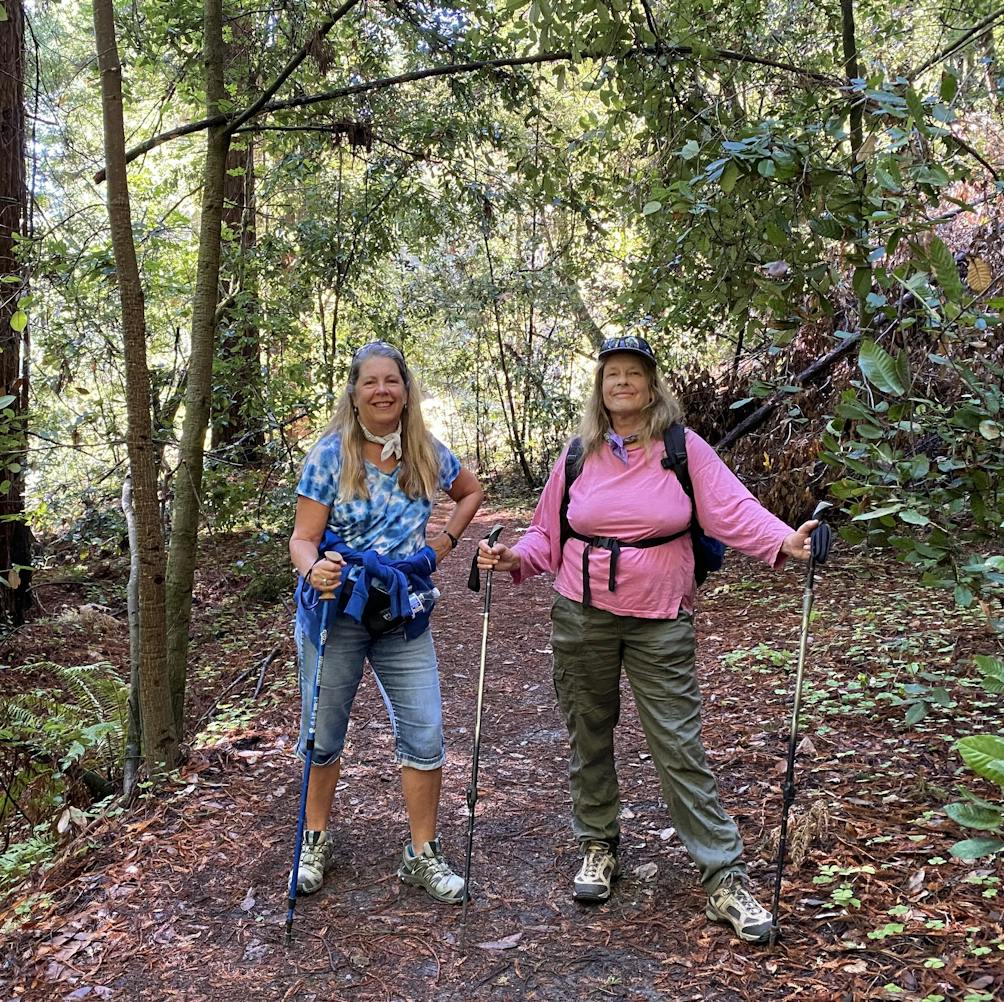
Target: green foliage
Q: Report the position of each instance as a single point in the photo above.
(920, 462)
(984, 754)
(66, 744)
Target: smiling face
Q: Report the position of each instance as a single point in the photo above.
(380, 394)
(626, 390)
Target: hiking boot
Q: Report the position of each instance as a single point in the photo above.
(732, 902)
(430, 870)
(598, 871)
(316, 857)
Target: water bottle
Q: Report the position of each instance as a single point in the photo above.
(422, 601)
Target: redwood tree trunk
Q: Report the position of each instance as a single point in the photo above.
(188, 479)
(160, 736)
(237, 427)
(15, 596)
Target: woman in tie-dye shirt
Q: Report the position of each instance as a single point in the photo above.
(371, 479)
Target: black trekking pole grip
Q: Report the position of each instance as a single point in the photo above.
(474, 580)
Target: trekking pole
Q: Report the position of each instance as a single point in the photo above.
(474, 583)
(325, 598)
(819, 548)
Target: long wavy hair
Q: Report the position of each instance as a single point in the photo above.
(419, 474)
(661, 411)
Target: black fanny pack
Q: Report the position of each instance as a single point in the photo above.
(377, 617)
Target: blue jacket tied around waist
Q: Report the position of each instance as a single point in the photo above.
(399, 577)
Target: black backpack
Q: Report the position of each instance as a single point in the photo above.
(709, 553)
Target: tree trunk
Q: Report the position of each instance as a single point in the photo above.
(188, 479)
(15, 553)
(237, 425)
(134, 730)
(160, 736)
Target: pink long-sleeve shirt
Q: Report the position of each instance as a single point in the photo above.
(638, 500)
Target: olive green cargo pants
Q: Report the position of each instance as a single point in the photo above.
(590, 645)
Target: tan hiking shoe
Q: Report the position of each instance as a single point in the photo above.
(598, 871)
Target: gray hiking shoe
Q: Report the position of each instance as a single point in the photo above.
(732, 902)
(428, 869)
(316, 857)
(598, 871)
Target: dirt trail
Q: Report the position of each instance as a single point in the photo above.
(184, 898)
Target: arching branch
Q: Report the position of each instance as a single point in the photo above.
(459, 69)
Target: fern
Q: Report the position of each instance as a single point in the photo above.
(91, 714)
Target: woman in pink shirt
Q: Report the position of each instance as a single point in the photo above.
(638, 614)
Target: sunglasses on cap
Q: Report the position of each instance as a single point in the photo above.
(385, 347)
(631, 343)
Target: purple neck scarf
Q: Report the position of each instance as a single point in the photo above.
(619, 445)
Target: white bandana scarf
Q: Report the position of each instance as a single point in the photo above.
(391, 443)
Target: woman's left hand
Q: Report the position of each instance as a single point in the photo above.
(797, 544)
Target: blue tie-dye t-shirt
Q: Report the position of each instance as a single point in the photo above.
(388, 521)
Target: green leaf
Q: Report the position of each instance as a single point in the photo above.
(3, 13)
(690, 149)
(914, 517)
(862, 281)
(984, 754)
(916, 107)
(990, 430)
(931, 174)
(916, 713)
(949, 86)
(19, 320)
(766, 168)
(6, 401)
(971, 816)
(828, 227)
(879, 369)
(946, 271)
(651, 207)
(729, 177)
(993, 673)
(974, 848)
(877, 513)
(963, 597)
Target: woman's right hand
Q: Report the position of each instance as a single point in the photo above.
(497, 558)
(326, 574)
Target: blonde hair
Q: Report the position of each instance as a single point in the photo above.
(419, 474)
(660, 412)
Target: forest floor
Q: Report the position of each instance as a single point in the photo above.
(182, 896)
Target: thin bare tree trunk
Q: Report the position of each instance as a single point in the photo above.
(160, 737)
(15, 596)
(134, 730)
(188, 480)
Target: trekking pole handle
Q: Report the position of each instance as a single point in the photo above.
(326, 594)
(474, 580)
(820, 540)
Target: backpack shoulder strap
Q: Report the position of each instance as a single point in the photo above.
(572, 468)
(675, 441)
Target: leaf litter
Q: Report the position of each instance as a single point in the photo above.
(184, 896)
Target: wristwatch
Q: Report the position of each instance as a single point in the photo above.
(454, 542)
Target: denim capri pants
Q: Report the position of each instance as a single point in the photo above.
(407, 676)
